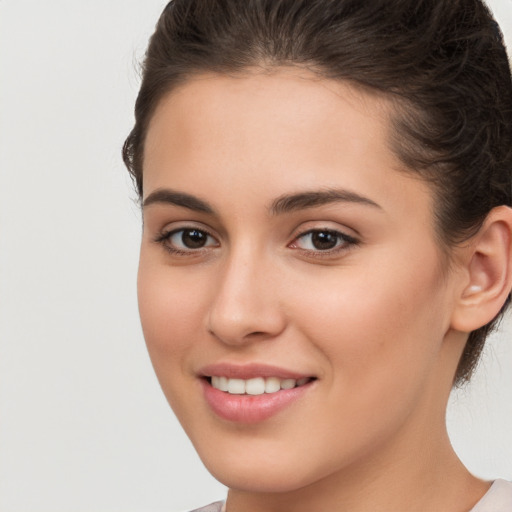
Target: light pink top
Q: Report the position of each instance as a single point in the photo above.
(497, 499)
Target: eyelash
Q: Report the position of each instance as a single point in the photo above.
(164, 240)
(343, 242)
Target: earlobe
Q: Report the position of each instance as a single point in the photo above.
(488, 272)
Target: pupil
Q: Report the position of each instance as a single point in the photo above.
(193, 239)
(324, 240)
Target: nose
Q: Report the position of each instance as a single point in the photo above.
(246, 306)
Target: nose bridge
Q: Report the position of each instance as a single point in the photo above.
(245, 303)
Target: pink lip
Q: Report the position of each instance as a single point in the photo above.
(247, 408)
(249, 371)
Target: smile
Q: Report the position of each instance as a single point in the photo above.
(253, 393)
(255, 386)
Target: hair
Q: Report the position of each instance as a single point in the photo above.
(442, 63)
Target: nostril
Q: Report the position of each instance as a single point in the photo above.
(235, 322)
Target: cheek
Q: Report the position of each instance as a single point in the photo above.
(170, 312)
(382, 327)
(172, 320)
(380, 338)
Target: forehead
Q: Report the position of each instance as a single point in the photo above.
(267, 109)
(283, 130)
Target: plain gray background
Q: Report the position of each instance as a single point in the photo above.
(83, 423)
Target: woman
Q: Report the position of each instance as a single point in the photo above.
(327, 232)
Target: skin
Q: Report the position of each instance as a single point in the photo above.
(373, 321)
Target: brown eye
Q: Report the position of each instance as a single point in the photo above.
(193, 238)
(189, 240)
(318, 240)
(324, 240)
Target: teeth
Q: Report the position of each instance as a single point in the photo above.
(256, 386)
(223, 384)
(272, 384)
(236, 386)
(288, 383)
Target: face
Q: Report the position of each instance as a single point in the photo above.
(293, 297)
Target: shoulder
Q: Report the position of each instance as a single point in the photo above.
(213, 507)
(497, 499)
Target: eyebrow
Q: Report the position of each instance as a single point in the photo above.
(168, 196)
(284, 204)
(302, 200)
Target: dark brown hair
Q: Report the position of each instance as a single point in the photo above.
(442, 62)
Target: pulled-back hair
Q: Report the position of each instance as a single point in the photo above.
(442, 63)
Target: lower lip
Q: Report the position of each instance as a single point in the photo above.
(250, 408)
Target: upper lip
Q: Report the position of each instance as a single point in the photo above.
(249, 371)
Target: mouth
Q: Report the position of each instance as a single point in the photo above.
(255, 386)
(253, 393)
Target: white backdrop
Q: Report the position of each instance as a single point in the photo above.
(83, 424)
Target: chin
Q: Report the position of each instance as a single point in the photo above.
(260, 479)
(264, 472)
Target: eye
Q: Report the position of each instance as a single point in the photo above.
(187, 240)
(323, 240)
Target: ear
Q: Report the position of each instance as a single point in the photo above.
(487, 274)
